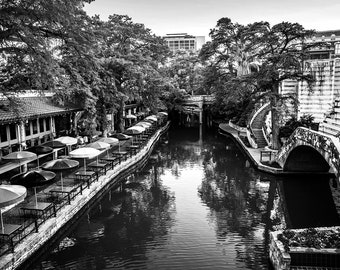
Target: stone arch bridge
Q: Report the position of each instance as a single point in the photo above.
(310, 151)
(195, 104)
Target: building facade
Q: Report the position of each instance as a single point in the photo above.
(35, 121)
(183, 41)
(324, 64)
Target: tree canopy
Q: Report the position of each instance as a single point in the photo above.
(259, 57)
(55, 45)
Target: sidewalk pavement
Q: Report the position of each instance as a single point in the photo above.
(253, 153)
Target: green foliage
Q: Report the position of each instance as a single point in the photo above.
(174, 99)
(293, 123)
(186, 72)
(31, 37)
(310, 238)
(54, 45)
(261, 57)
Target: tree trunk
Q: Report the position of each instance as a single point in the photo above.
(275, 118)
(120, 119)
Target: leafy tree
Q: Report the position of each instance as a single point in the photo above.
(262, 57)
(186, 70)
(293, 123)
(31, 37)
(130, 57)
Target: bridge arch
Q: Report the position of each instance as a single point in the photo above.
(305, 158)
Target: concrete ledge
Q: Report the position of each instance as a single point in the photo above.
(301, 256)
(252, 153)
(279, 258)
(33, 242)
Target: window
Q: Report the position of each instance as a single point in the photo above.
(3, 133)
(337, 48)
(28, 128)
(41, 125)
(48, 123)
(35, 126)
(13, 131)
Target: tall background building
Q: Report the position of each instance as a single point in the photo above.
(183, 41)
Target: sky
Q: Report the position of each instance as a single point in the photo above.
(197, 17)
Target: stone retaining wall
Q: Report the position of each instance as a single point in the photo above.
(279, 258)
(302, 256)
(50, 227)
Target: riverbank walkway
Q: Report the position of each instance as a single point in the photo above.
(260, 157)
(38, 221)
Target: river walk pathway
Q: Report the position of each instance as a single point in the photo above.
(90, 189)
(253, 153)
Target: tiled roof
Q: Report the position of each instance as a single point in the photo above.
(30, 107)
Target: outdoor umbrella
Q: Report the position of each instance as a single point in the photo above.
(54, 144)
(99, 145)
(145, 125)
(121, 136)
(20, 156)
(85, 152)
(40, 150)
(130, 116)
(10, 194)
(152, 118)
(33, 179)
(68, 141)
(111, 141)
(134, 131)
(60, 164)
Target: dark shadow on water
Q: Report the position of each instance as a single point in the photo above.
(309, 201)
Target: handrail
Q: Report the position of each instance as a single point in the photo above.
(251, 137)
(257, 110)
(266, 135)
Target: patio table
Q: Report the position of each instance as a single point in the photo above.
(39, 209)
(122, 154)
(133, 148)
(9, 232)
(60, 190)
(99, 167)
(86, 175)
(111, 160)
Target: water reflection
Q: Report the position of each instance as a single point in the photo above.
(197, 204)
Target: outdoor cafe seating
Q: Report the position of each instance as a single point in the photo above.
(112, 161)
(99, 167)
(11, 234)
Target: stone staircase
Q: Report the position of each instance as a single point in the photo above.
(256, 126)
(331, 124)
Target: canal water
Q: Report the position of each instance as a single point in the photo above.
(197, 204)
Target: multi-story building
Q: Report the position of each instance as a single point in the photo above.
(324, 64)
(183, 41)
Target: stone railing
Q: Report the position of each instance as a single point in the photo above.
(326, 145)
(256, 109)
(251, 138)
(238, 128)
